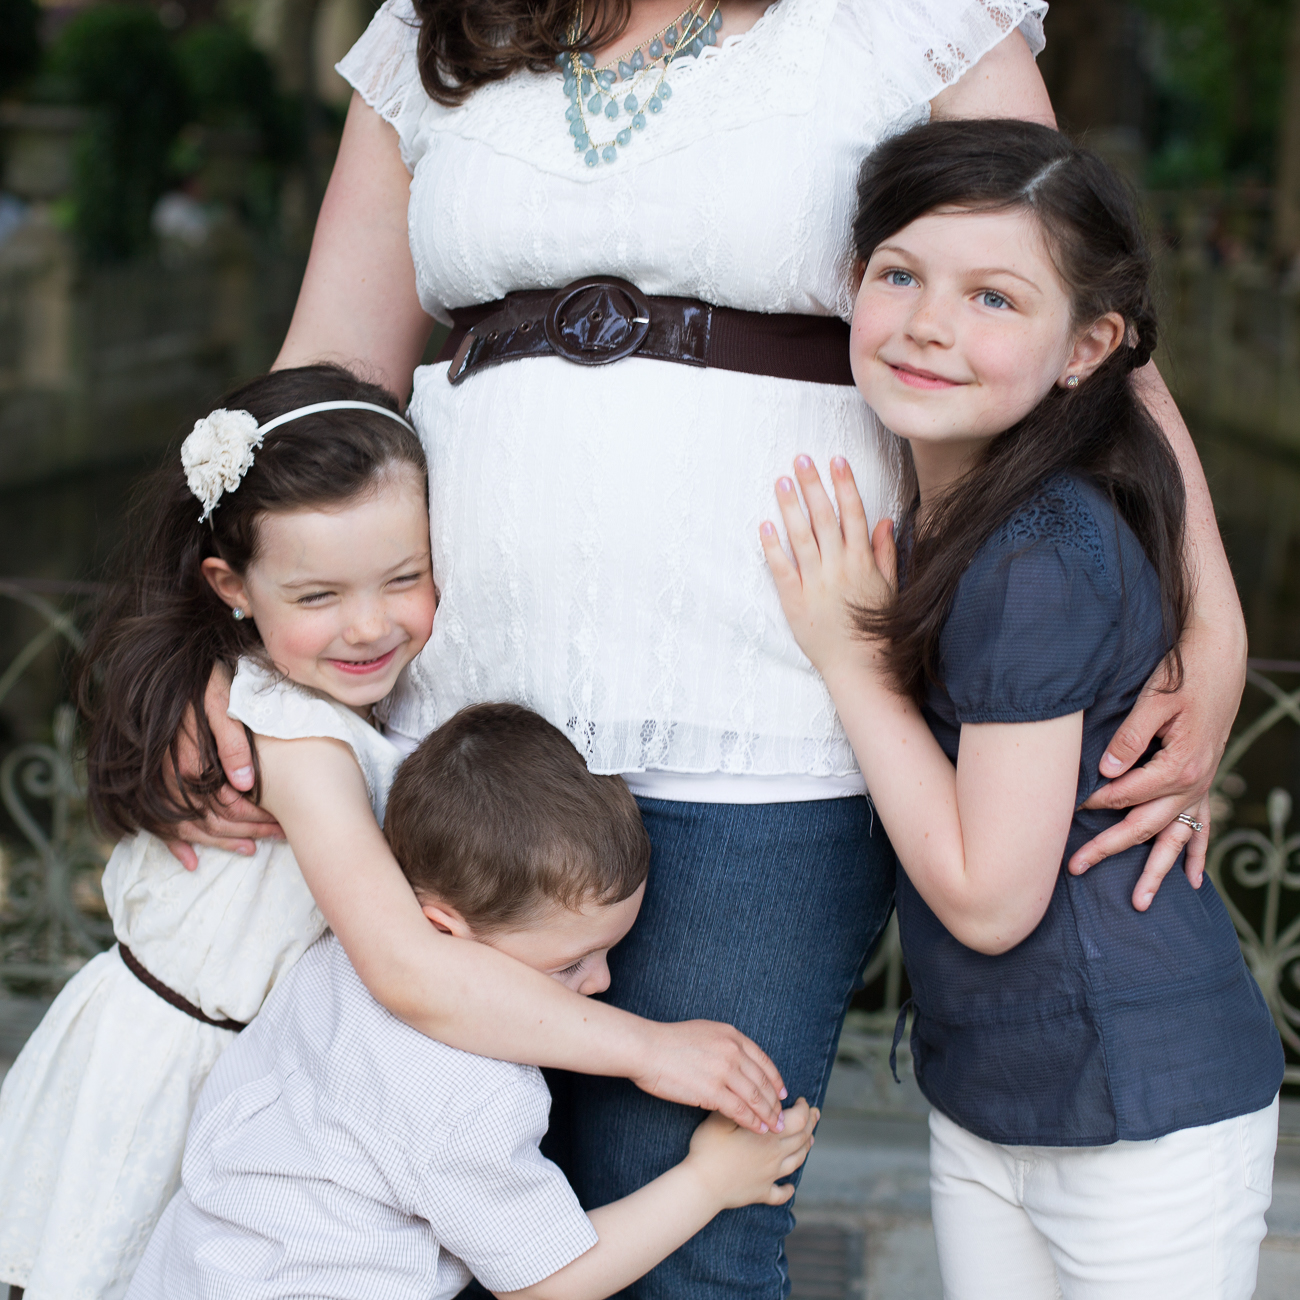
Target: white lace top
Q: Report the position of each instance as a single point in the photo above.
(595, 530)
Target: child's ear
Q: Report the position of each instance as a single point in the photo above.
(226, 583)
(447, 919)
(1093, 346)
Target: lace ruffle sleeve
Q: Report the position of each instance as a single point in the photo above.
(383, 69)
(922, 46)
(271, 705)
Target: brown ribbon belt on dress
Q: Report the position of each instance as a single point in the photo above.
(132, 963)
(601, 319)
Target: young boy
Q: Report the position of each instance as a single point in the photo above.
(337, 1152)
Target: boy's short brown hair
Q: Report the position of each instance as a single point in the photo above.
(496, 815)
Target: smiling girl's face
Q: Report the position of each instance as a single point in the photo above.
(343, 597)
(962, 326)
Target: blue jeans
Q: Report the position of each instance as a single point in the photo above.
(761, 915)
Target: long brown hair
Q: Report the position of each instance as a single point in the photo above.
(162, 629)
(466, 43)
(1102, 429)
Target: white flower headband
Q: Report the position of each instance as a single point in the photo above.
(219, 451)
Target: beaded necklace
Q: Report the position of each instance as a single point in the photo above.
(590, 90)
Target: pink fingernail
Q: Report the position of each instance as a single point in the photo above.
(766, 529)
(247, 850)
(242, 774)
(803, 462)
(762, 1128)
(785, 485)
(1109, 763)
(784, 1094)
(780, 1125)
(839, 462)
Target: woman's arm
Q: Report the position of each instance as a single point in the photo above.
(358, 305)
(468, 994)
(982, 842)
(1193, 723)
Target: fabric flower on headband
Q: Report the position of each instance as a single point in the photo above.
(217, 455)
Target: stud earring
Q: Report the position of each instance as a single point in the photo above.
(1072, 381)
(238, 614)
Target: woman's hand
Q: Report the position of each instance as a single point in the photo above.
(839, 563)
(240, 821)
(712, 1066)
(1193, 724)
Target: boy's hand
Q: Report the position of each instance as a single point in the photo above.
(742, 1168)
(714, 1067)
(837, 562)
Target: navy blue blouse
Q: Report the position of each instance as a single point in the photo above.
(1105, 1023)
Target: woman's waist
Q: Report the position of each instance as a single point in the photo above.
(743, 724)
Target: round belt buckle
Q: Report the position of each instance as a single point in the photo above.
(597, 320)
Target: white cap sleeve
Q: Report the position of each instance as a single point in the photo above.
(382, 67)
(922, 46)
(495, 1201)
(271, 705)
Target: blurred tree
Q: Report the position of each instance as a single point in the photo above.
(1218, 71)
(116, 59)
(232, 87)
(20, 50)
(1286, 218)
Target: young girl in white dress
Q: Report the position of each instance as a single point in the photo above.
(304, 566)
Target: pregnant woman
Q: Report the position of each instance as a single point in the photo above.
(637, 218)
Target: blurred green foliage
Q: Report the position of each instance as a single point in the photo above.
(20, 50)
(164, 107)
(117, 60)
(1218, 68)
(232, 89)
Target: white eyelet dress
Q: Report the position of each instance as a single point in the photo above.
(94, 1112)
(595, 529)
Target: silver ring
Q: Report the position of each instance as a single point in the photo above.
(1188, 820)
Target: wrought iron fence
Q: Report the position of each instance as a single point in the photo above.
(52, 916)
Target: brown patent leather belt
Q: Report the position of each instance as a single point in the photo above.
(602, 319)
(169, 995)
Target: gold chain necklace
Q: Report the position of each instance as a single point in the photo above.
(591, 92)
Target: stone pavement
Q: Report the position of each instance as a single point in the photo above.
(865, 1199)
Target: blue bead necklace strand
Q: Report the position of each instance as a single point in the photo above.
(618, 88)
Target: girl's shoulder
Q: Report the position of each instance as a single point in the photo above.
(269, 704)
(1040, 617)
(1069, 513)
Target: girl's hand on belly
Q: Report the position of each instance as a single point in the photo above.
(838, 563)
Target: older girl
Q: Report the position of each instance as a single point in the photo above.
(1103, 1069)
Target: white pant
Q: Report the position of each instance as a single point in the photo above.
(1178, 1218)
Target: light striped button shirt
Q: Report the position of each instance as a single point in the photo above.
(336, 1152)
